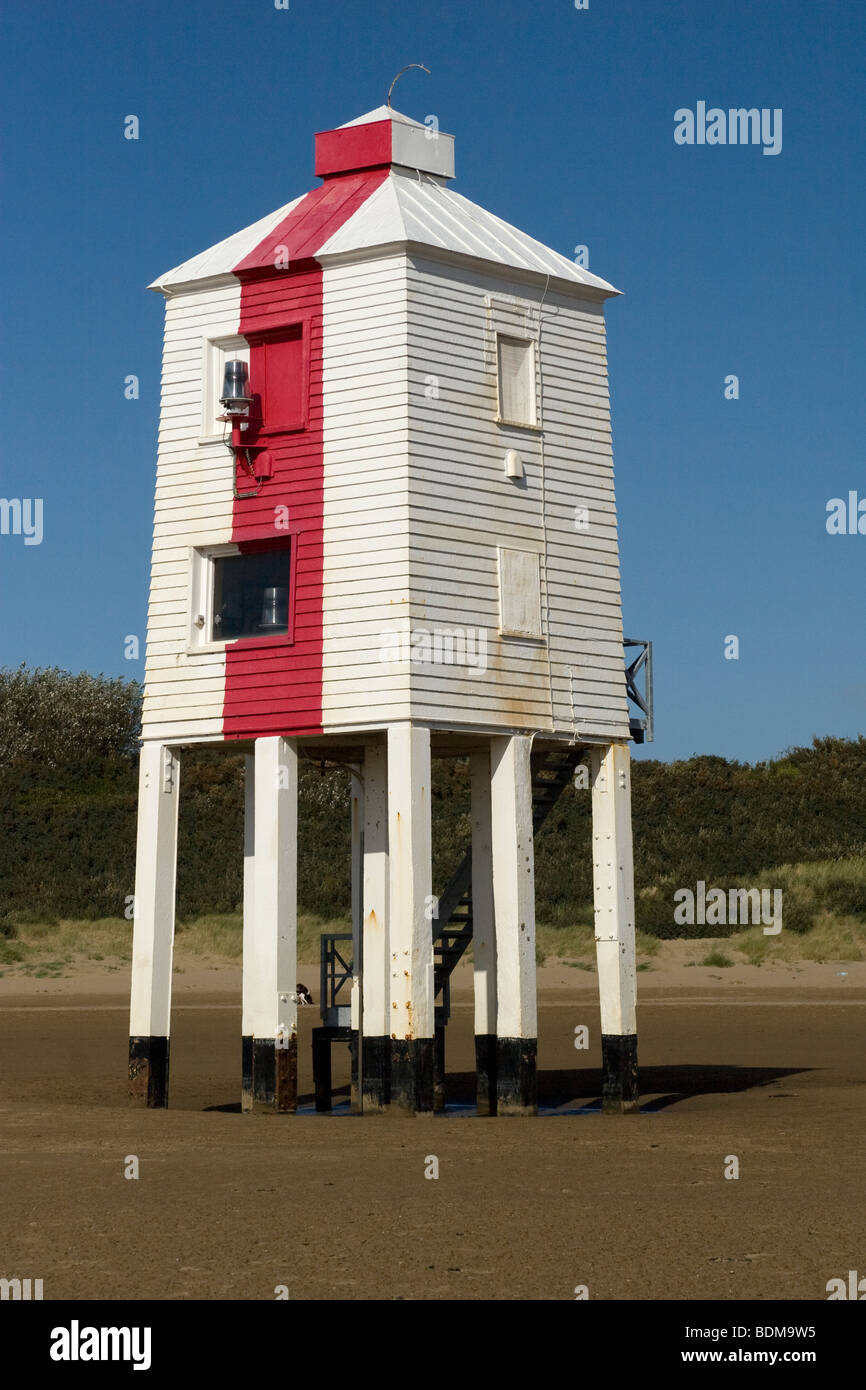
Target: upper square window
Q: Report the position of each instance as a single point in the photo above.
(516, 368)
(218, 351)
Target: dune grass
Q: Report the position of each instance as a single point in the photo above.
(823, 919)
(575, 942)
(717, 959)
(831, 938)
(49, 946)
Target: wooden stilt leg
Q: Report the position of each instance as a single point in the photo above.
(613, 887)
(514, 912)
(153, 935)
(410, 919)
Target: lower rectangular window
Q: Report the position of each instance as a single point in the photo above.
(251, 594)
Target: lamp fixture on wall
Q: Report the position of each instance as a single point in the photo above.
(237, 399)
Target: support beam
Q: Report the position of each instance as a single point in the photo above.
(514, 914)
(410, 919)
(153, 934)
(483, 934)
(270, 1008)
(613, 888)
(249, 921)
(376, 976)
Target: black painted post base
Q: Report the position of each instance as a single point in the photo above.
(246, 1075)
(485, 1073)
(269, 1076)
(148, 1072)
(516, 1078)
(439, 1069)
(375, 1074)
(355, 1085)
(619, 1087)
(322, 1039)
(412, 1076)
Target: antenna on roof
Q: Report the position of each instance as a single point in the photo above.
(400, 74)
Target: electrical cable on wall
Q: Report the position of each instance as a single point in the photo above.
(544, 506)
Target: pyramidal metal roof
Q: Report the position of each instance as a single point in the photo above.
(392, 203)
(382, 113)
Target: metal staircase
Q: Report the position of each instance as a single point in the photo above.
(452, 929)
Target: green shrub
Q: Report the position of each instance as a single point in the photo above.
(844, 897)
(718, 959)
(68, 792)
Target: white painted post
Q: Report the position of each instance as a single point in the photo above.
(248, 930)
(483, 934)
(357, 813)
(514, 912)
(153, 934)
(613, 890)
(376, 978)
(270, 963)
(410, 918)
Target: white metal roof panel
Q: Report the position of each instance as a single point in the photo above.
(222, 257)
(420, 209)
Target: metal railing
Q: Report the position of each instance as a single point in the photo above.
(642, 727)
(334, 971)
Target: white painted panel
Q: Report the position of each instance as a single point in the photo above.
(519, 593)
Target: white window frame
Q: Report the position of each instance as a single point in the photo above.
(511, 316)
(217, 348)
(201, 586)
(533, 629)
(532, 373)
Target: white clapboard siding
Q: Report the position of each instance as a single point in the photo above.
(415, 498)
(366, 512)
(183, 692)
(462, 507)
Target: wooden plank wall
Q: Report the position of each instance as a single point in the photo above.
(462, 506)
(184, 691)
(366, 513)
(416, 504)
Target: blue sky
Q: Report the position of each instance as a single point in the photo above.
(731, 261)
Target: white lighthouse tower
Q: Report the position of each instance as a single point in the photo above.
(385, 528)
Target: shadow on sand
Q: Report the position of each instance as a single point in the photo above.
(563, 1092)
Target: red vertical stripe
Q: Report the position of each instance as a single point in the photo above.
(274, 685)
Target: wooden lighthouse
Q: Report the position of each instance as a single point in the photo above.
(386, 532)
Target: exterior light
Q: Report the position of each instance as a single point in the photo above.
(236, 387)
